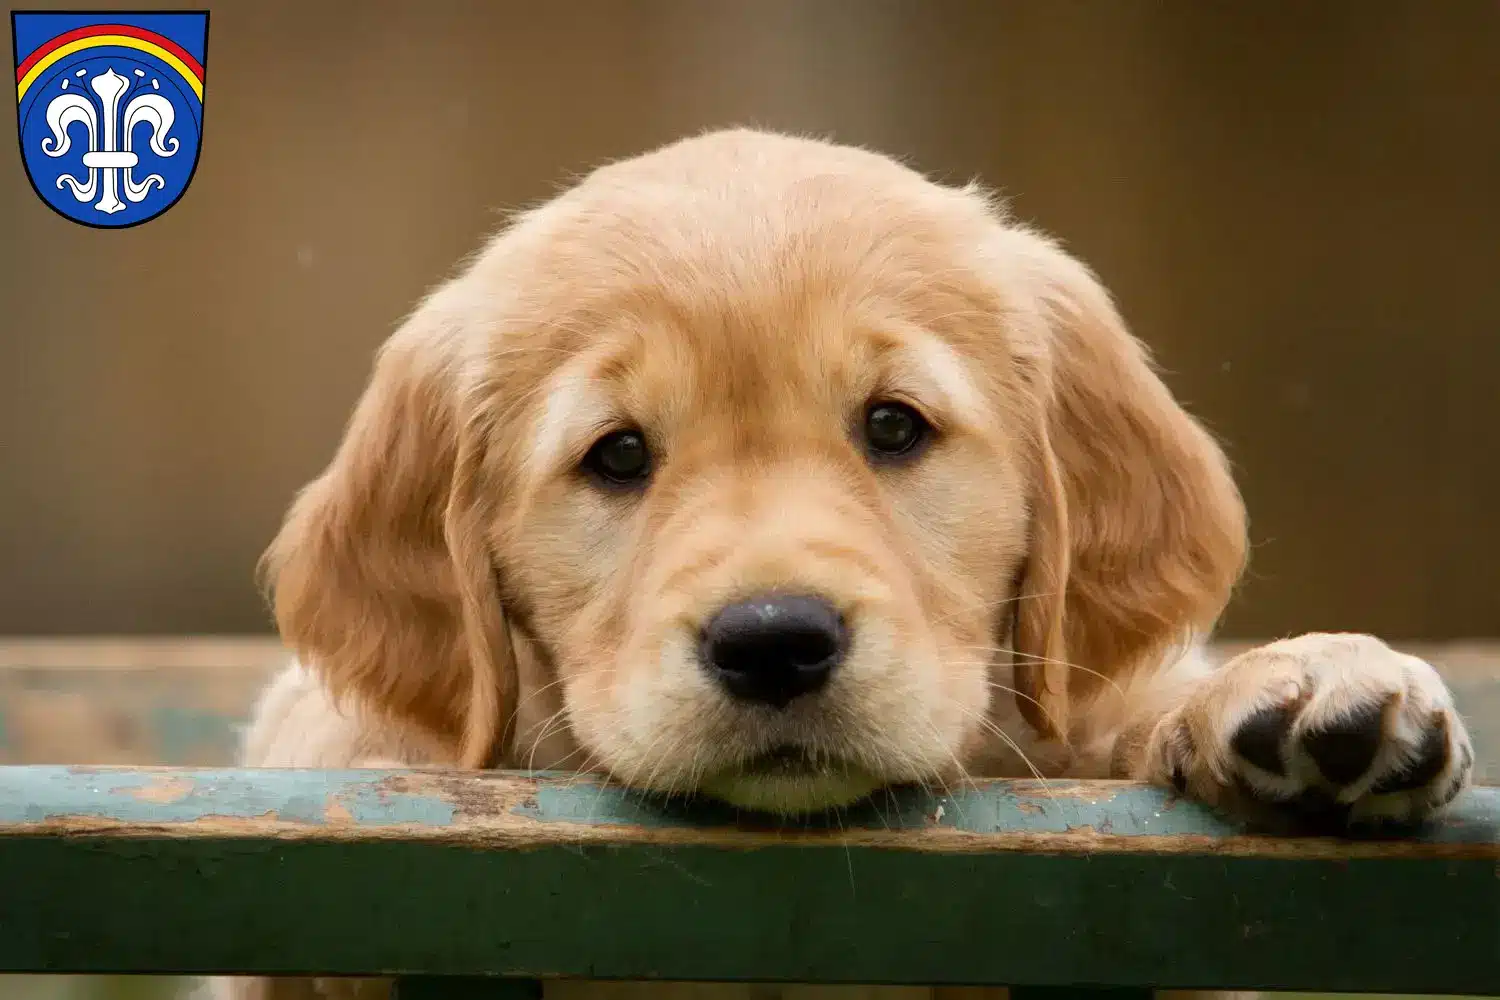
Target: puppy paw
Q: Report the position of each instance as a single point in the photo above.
(1324, 730)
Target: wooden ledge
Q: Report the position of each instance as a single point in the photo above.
(508, 810)
(441, 873)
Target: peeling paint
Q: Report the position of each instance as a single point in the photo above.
(318, 798)
(1118, 810)
(165, 791)
(489, 805)
(1019, 807)
(337, 812)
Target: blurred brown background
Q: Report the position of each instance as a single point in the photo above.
(1297, 204)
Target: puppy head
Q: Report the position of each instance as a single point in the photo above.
(778, 457)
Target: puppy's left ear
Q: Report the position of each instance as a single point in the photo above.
(381, 574)
(1138, 530)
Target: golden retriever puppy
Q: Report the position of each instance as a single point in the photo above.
(768, 469)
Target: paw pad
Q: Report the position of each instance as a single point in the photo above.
(1324, 727)
(1425, 766)
(1261, 738)
(1316, 767)
(1345, 748)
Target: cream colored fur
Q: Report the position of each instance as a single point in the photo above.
(1027, 595)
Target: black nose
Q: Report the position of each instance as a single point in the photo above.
(773, 648)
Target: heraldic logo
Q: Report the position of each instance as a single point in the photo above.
(110, 110)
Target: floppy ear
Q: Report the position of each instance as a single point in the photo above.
(1138, 531)
(381, 576)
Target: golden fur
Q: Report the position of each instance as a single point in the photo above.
(1026, 595)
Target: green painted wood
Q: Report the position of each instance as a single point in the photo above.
(466, 988)
(442, 873)
(1081, 993)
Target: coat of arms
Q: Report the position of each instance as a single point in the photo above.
(110, 110)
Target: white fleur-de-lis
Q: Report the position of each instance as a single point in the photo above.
(111, 155)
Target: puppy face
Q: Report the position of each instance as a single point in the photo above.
(766, 547)
(768, 462)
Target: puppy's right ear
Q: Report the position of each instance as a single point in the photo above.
(381, 575)
(1138, 529)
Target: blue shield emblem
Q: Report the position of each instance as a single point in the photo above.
(110, 110)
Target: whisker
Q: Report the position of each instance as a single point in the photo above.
(1010, 741)
(989, 606)
(672, 751)
(838, 817)
(1047, 660)
(1008, 689)
(546, 731)
(560, 764)
(964, 776)
(993, 727)
(532, 694)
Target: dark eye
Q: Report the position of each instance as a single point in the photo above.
(894, 429)
(620, 459)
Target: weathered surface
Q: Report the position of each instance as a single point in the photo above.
(520, 810)
(442, 873)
